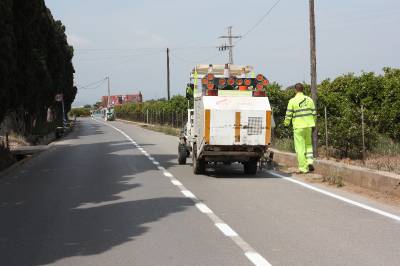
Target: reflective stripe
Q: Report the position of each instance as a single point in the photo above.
(237, 127)
(302, 115)
(207, 126)
(302, 110)
(268, 117)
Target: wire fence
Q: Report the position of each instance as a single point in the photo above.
(176, 119)
(351, 138)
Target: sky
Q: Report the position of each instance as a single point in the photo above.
(127, 40)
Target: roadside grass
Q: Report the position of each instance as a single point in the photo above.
(163, 129)
(286, 145)
(334, 179)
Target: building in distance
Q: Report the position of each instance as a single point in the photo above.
(121, 99)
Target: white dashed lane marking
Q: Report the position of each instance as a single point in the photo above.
(188, 194)
(176, 182)
(226, 229)
(249, 252)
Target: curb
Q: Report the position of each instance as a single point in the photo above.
(20, 163)
(384, 182)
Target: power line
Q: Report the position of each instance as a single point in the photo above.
(259, 21)
(96, 85)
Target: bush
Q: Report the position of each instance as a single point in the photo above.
(343, 98)
(177, 104)
(80, 112)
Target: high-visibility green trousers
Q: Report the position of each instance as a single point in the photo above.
(304, 148)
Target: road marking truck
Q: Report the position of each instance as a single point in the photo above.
(231, 119)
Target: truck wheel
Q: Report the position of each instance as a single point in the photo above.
(182, 154)
(199, 165)
(250, 167)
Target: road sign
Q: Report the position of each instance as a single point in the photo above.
(59, 97)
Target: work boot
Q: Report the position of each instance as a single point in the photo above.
(311, 168)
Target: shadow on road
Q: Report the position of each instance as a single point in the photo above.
(71, 201)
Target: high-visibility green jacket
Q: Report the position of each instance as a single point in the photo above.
(301, 112)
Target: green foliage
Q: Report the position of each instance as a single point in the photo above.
(80, 112)
(279, 99)
(343, 98)
(35, 62)
(177, 104)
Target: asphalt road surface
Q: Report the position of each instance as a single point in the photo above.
(114, 195)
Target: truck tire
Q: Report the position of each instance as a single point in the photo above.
(250, 167)
(199, 165)
(182, 154)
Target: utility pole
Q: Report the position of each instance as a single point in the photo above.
(313, 64)
(230, 38)
(109, 93)
(168, 78)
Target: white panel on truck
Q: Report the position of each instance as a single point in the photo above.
(226, 129)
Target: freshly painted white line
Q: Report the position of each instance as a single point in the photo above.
(156, 163)
(176, 182)
(349, 201)
(257, 259)
(151, 158)
(168, 174)
(188, 194)
(203, 208)
(226, 229)
(161, 168)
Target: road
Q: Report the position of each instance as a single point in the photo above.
(111, 195)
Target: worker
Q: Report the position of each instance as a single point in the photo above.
(302, 114)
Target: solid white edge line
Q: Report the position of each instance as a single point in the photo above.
(257, 259)
(203, 208)
(188, 194)
(332, 195)
(226, 229)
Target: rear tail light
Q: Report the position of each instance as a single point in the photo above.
(260, 77)
(231, 82)
(210, 77)
(259, 94)
(247, 82)
(212, 92)
(265, 82)
(222, 82)
(239, 82)
(210, 86)
(259, 86)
